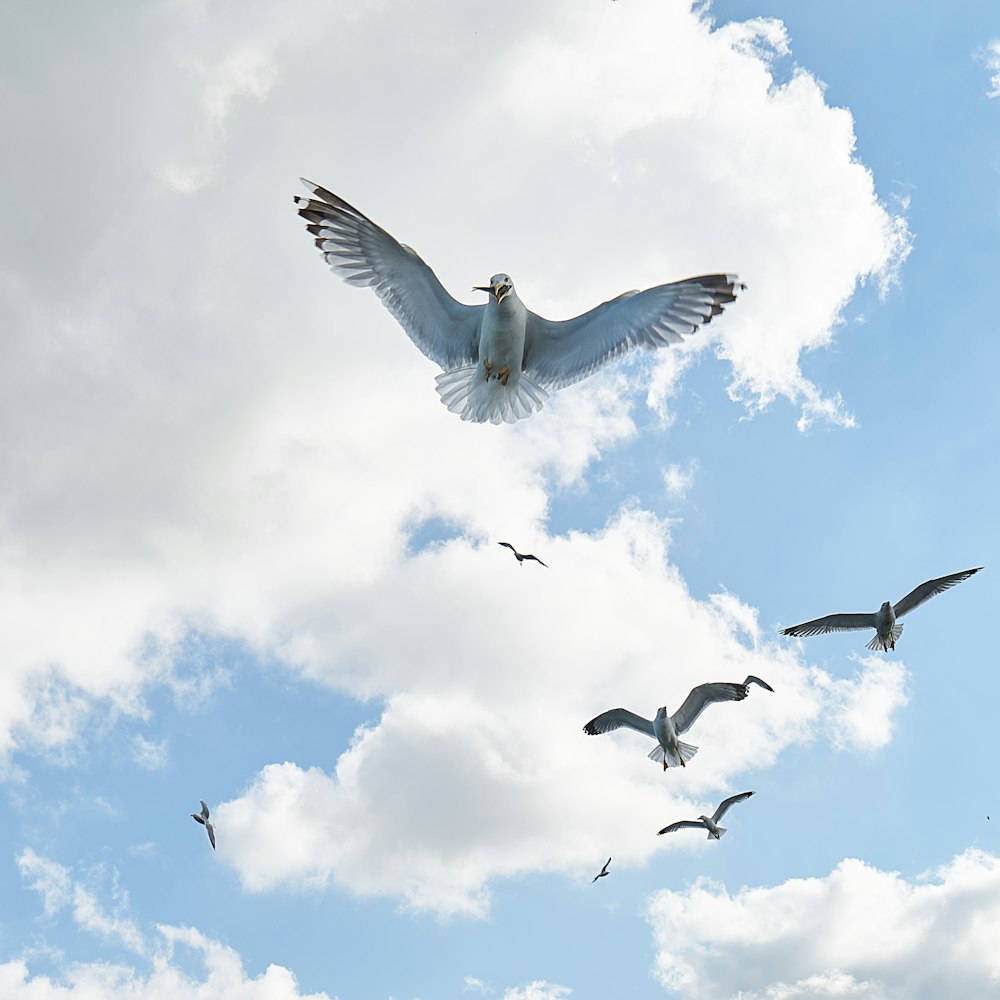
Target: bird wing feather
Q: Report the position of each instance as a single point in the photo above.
(558, 353)
(726, 803)
(832, 623)
(446, 330)
(683, 824)
(929, 589)
(614, 719)
(701, 697)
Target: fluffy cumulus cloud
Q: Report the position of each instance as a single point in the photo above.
(483, 752)
(859, 932)
(224, 976)
(216, 435)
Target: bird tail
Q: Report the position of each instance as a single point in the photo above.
(686, 749)
(889, 642)
(466, 392)
(716, 836)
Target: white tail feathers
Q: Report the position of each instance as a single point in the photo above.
(686, 749)
(466, 392)
(887, 643)
(716, 836)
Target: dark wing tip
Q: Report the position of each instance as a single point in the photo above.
(751, 679)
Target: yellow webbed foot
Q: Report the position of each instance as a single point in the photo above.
(503, 375)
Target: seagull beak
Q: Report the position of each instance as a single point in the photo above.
(500, 291)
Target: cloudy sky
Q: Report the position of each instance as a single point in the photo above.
(247, 556)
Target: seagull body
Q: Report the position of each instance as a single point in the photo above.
(521, 556)
(710, 823)
(202, 818)
(666, 728)
(887, 630)
(501, 360)
(604, 871)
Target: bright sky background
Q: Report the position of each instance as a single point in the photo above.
(246, 555)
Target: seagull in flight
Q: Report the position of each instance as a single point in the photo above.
(666, 728)
(883, 620)
(604, 871)
(202, 818)
(710, 823)
(501, 360)
(521, 556)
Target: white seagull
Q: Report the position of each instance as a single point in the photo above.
(202, 818)
(883, 620)
(710, 823)
(499, 359)
(666, 728)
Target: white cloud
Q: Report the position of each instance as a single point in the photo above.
(59, 889)
(149, 754)
(991, 56)
(859, 932)
(224, 977)
(678, 479)
(218, 438)
(539, 989)
(486, 759)
(861, 710)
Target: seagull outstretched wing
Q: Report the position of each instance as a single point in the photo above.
(446, 330)
(726, 803)
(614, 719)
(832, 623)
(558, 353)
(701, 697)
(929, 589)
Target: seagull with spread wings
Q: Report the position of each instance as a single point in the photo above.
(604, 871)
(710, 823)
(666, 729)
(501, 360)
(883, 620)
(202, 818)
(521, 556)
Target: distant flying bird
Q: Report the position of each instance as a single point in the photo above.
(710, 823)
(202, 818)
(604, 871)
(500, 358)
(521, 556)
(666, 728)
(883, 620)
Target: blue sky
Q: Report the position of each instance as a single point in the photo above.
(249, 557)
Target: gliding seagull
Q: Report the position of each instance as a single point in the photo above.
(604, 871)
(710, 823)
(499, 359)
(666, 728)
(203, 819)
(883, 620)
(521, 556)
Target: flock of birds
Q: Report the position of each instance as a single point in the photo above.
(500, 361)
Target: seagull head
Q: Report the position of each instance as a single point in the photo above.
(661, 713)
(500, 287)
(886, 605)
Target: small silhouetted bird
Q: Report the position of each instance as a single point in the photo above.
(604, 871)
(521, 556)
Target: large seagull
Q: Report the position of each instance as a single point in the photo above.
(666, 728)
(501, 360)
(883, 620)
